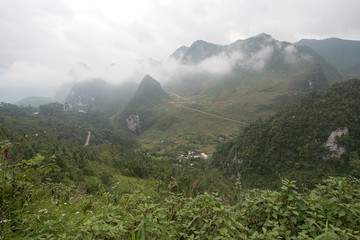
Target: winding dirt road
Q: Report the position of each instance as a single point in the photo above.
(88, 139)
(200, 111)
(214, 115)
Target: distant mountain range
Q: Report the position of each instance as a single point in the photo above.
(242, 81)
(249, 78)
(342, 54)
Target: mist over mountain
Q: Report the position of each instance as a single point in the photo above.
(342, 54)
(255, 54)
(34, 101)
(149, 90)
(100, 95)
(199, 51)
(205, 60)
(248, 78)
(63, 91)
(250, 54)
(179, 53)
(244, 80)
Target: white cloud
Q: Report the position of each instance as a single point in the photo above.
(35, 80)
(258, 60)
(33, 73)
(50, 37)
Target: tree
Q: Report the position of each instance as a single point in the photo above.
(52, 109)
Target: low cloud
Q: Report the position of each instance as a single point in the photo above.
(130, 69)
(46, 39)
(257, 60)
(39, 79)
(292, 55)
(172, 69)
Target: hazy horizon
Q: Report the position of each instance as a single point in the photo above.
(46, 43)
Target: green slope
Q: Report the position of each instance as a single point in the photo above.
(292, 142)
(165, 121)
(141, 112)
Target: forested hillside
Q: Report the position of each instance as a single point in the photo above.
(141, 112)
(114, 163)
(54, 187)
(39, 200)
(179, 120)
(315, 137)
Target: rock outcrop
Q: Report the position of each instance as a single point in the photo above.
(336, 150)
(133, 123)
(143, 110)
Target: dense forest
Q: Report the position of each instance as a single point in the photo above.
(291, 143)
(53, 186)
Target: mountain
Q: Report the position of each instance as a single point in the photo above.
(149, 91)
(34, 101)
(100, 95)
(62, 92)
(179, 53)
(312, 138)
(140, 113)
(163, 120)
(93, 190)
(218, 89)
(214, 91)
(342, 54)
(199, 51)
(249, 78)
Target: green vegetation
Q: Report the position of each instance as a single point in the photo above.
(72, 126)
(294, 175)
(291, 143)
(34, 206)
(163, 120)
(243, 91)
(144, 104)
(54, 187)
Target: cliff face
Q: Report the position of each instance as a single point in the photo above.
(336, 150)
(133, 123)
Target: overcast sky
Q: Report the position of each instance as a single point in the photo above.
(44, 43)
